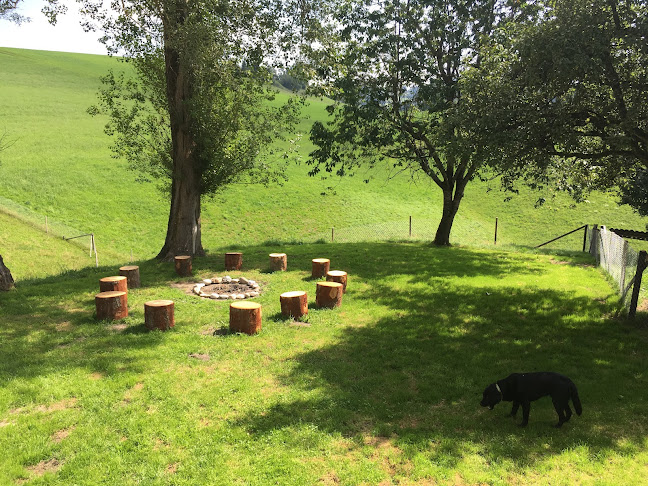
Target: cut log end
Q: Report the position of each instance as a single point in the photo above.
(159, 314)
(183, 265)
(329, 294)
(233, 261)
(245, 317)
(116, 283)
(294, 304)
(278, 262)
(338, 276)
(111, 305)
(131, 272)
(320, 267)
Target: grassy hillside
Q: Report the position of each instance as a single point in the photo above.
(60, 166)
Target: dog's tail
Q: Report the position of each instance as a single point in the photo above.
(574, 396)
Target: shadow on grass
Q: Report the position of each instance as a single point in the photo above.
(416, 376)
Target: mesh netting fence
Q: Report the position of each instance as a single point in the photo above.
(617, 258)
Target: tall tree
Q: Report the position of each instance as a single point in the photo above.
(197, 112)
(562, 101)
(393, 69)
(9, 10)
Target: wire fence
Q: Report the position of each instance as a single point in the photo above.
(49, 226)
(615, 255)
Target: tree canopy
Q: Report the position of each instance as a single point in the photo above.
(197, 111)
(394, 70)
(561, 101)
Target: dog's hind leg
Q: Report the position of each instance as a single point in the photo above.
(514, 409)
(568, 412)
(559, 405)
(526, 408)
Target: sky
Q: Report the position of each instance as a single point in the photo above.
(66, 36)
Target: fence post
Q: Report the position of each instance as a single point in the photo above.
(332, 234)
(585, 237)
(641, 266)
(410, 231)
(496, 221)
(594, 240)
(624, 256)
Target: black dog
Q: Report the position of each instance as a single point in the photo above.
(523, 388)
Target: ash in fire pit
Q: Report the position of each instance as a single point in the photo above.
(227, 288)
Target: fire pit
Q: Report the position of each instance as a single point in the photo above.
(224, 288)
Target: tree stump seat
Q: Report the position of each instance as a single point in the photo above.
(294, 304)
(233, 261)
(116, 283)
(111, 305)
(320, 267)
(159, 314)
(329, 294)
(131, 272)
(245, 316)
(278, 262)
(337, 276)
(183, 265)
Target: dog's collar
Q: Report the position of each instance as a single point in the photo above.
(499, 390)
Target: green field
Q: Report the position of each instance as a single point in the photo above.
(60, 166)
(383, 390)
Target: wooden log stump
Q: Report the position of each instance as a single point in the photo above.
(183, 265)
(337, 276)
(278, 262)
(159, 314)
(111, 305)
(245, 317)
(329, 294)
(6, 280)
(233, 261)
(131, 272)
(110, 284)
(320, 267)
(294, 304)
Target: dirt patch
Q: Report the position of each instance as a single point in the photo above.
(61, 435)
(5, 424)
(330, 478)
(65, 326)
(202, 357)
(186, 287)
(57, 406)
(96, 376)
(172, 468)
(571, 264)
(118, 327)
(51, 465)
(52, 407)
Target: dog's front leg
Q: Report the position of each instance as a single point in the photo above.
(526, 408)
(514, 409)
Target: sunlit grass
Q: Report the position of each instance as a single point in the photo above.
(385, 388)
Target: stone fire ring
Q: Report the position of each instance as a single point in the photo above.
(224, 288)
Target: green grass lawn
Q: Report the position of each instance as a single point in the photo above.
(384, 390)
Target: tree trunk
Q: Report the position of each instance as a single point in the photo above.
(6, 280)
(452, 195)
(183, 231)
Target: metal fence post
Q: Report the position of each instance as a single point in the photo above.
(641, 266)
(410, 233)
(585, 237)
